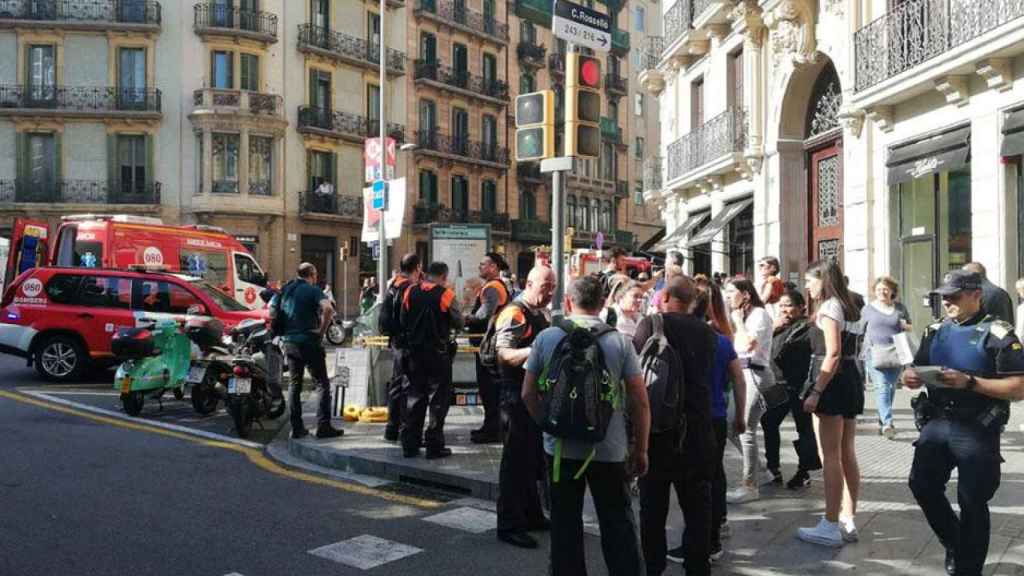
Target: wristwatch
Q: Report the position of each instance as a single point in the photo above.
(971, 382)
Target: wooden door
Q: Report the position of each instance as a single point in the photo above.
(825, 207)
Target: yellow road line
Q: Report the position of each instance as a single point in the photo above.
(255, 456)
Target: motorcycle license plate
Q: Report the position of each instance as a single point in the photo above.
(195, 374)
(239, 385)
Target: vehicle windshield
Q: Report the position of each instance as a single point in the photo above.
(222, 300)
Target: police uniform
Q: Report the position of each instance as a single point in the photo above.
(522, 457)
(960, 429)
(493, 298)
(398, 384)
(429, 314)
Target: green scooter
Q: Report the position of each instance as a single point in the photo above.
(155, 359)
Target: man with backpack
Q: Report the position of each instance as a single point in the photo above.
(579, 376)
(682, 444)
(522, 458)
(389, 325)
(430, 312)
(492, 298)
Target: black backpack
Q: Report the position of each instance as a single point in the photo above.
(579, 394)
(488, 346)
(664, 375)
(389, 321)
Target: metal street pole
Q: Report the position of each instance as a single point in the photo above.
(558, 218)
(382, 262)
(344, 290)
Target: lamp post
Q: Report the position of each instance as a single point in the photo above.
(382, 262)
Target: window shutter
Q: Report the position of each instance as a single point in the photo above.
(332, 171)
(245, 71)
(113, 167)
(309, 172)
(150, 162)
(424, 186)
(433, 188)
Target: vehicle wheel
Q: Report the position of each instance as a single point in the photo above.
(204, 399)
(132, 403)
(336, 334)
(277, 407)
(179, 394)
(241, 413)
(60, 359)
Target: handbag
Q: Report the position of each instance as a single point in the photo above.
(774, 394)
(884, 356)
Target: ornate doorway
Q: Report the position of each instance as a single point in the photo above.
(824, 145)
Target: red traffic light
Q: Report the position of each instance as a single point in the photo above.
(590, 72)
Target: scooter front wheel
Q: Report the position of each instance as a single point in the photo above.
(132, 403)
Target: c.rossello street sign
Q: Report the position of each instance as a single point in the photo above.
(581, 25)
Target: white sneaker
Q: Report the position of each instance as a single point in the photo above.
(824, 534)
(743, 494)
(848, 529)
(889, 432)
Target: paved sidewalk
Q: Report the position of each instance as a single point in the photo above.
(894, 537)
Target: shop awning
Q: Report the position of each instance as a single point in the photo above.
(1013, 133)
(652, 241)
(719, 222)
(678, 236)
(939, 153)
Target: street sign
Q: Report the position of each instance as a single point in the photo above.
(380, 194)
(372, 151)
(581, 25)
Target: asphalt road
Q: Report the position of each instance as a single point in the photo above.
(86, 495)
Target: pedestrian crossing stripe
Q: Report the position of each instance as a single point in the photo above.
(468, 519)
(365, 552)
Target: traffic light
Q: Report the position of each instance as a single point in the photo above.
(535, 126)
(582, 106)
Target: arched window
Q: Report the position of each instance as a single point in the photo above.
(826, 100)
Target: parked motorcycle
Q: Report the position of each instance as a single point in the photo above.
(155, 359)
(256, 364)
(211, 367)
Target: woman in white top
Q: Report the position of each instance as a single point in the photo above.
(834, 393)
(753, 342)
(628, 298)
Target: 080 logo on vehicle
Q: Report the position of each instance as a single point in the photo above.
(152, 255)
(32, 287)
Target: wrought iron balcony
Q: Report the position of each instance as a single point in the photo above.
(429, 213)
(454, 13)
(344, 125)
(462, 148)
(36, 191)
(701, 6)
(350, 49)
(530, 230)
(615, 85)
(79, 101)
(531, 55)
(719, 137)
(918, 30)
(112, 14)
(211, 18)
(652, 173)
(678, 21)
(529, 172)
(651, 51)
(469, 84)
(256, 103)
(344, 205)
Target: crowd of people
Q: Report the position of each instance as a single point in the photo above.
(742, 354)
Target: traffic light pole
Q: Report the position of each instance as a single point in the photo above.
(382, 261)
(558, 167)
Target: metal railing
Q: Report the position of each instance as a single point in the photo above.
(260, 187)
(83, 11)
(210, 16)
(919, 30)
(429, 213)
(347, 205)
(650, 52)
(349, 47)
(678, 21)
(225, 187)
(434, 140)
(529, 171)
(699, 6)
(531, 54)
(455, 12)
(80, 98)
(531, 230)
(79, 191)
(340, 122)
(434, 70)
(722, 135)
(255, 102)
(652, 173)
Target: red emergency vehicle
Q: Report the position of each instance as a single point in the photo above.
(121, 241)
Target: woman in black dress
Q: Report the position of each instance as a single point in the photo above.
(834, 393)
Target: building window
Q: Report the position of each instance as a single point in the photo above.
(460, 131)
(42, 73)
(41, 163)
(428, 47)
(490, 137)
(526, 83)
(613, 111)
(222, 74)
(639, 17)
(527, 32)
(595, 214)
(697, 103)
(489, 20)
(428, 187)
(736, 79)
(200, 173)
(131, 159)
(638, 104)
(490, 70)
(638, 193)
(373, 30)
(131, 76)
(570, 212)
(460, 194)
(261, 164)
(460, 64)
(320, 89)
(638, 148)
(606, 216)
(527, 205)
(608, 161)
(225, 163)
(741, 243)
(373, 109)
(489, 197)
(250, 77)
(321, 11)
(321, 172)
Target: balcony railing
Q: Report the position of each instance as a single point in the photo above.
(722, 135)
(615, 84)
(651, 51)
(454, 13)
(342, 124)
(349, 48)
(256, 103)
(529, 171)
(435, 141)
(699, 6)
(428, 213)
(345, 205)
(530, 54)
(918, 30)
(210, 17)
(652, 173)
(79, 191)
(87, 99)
(678, 21)
(104, 12)
(435, 71)
(524, 230)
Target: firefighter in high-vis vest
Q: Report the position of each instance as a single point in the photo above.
(430, 315)
(409, 274)
(972, 366)
(493, 297)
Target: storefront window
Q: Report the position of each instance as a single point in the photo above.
(741, 243)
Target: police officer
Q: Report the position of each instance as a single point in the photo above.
(981, 369)
(388, 322)
(430, 312)
(492, 298)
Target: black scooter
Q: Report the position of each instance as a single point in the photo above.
(255, 361)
